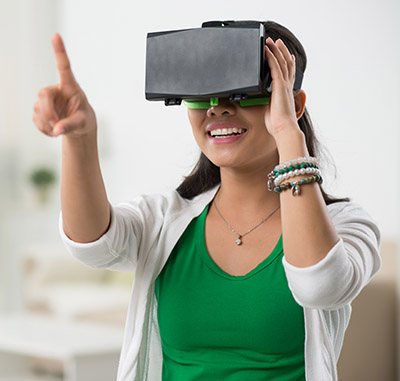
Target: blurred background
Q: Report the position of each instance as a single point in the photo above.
(352, 83)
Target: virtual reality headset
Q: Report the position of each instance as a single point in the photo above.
(222, 59)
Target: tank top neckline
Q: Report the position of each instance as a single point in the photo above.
(206, 257)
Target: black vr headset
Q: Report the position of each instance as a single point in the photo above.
(222, 59)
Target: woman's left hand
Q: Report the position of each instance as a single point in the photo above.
(280, 115)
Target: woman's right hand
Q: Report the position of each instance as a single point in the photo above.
(63, 109)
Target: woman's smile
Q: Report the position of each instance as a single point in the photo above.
(225, 132)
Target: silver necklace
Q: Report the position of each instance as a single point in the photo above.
(240, 236)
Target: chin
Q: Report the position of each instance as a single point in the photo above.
(222, 161)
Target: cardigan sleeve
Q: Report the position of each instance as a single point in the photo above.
(339, 277)
(118, 248)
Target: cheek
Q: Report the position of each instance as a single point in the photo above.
(255, 114)
(196, 116)
(196, 119)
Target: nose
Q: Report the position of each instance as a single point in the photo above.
(225, 107)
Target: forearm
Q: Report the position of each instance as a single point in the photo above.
(307, 230)
(85, 207)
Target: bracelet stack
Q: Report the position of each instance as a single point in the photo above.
(301, 166)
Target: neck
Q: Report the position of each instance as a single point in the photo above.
(246, 191)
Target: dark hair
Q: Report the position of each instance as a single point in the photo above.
(206, 175)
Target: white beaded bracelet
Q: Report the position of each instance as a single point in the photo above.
(299, 160)
(296, 172)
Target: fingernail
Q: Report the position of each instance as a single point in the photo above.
(52, 123)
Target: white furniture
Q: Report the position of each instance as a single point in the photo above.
(56, 283)
(85, 351)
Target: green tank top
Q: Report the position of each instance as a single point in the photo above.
(215, 326)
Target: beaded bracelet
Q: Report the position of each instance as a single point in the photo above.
(296, 172)
(299, 160)
(287, 168)
(295, 185)
(276, 172)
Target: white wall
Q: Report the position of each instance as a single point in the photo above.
(352, 84)
(25, 64)
(25, 60)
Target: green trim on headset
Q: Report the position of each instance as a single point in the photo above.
(197, 105)
(205, 104)
(213, 101)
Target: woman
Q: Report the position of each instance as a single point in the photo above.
(233, 280)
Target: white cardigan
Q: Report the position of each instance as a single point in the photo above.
(143, 233)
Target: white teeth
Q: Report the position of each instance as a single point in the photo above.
(226, 131)
(216, 132)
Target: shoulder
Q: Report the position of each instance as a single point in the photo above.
(167, 203)
(340, 208)
(348, 211)
(156, 205)
(352, 218)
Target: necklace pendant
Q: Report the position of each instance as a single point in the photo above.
(239, 241)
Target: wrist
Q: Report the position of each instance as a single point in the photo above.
(80, 145)
(291, 144)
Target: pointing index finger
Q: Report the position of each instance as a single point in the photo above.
(62, 61)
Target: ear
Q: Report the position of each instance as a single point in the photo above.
(300, 103)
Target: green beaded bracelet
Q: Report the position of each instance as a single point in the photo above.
(295, 185)
(299, 160)
(276, 173)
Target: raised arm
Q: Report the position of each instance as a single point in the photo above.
(63, 109)
(307, 229)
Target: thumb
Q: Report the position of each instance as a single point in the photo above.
(71, 124)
